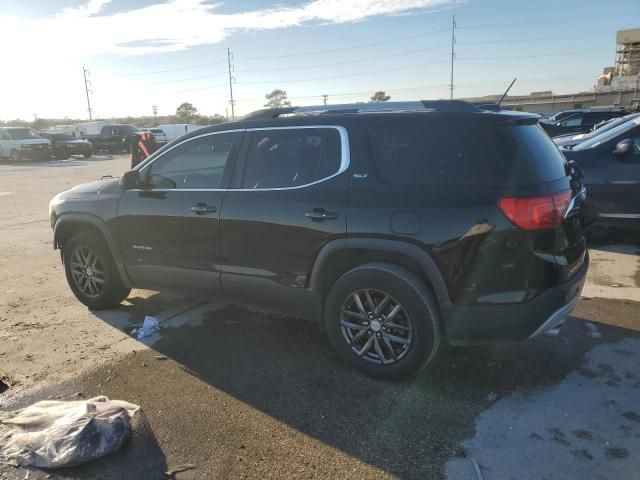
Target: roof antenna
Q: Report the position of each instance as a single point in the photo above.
(505, 93)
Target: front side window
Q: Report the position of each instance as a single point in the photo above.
(573, 121)
(283, 158)
(196, 164)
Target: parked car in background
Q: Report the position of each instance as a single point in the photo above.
(19, 143)
(159, 135)
(571, 139)
(395, 225)
(580, 122)
(89, 129)
(64, 145)
(611, 165)
(113, 138)
(176, 130)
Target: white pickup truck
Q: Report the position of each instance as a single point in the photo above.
(18, 143)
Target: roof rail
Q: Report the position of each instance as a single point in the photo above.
(379, 107)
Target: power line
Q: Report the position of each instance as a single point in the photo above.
(178, 69)
(201, 88)
(349, 62)
(545, 55)
(416, 65)
(363, 45)
(187, 79)
(539, 39)
(551, 20)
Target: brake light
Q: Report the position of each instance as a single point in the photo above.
(536, 213)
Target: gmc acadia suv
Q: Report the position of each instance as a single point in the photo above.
(394, 225)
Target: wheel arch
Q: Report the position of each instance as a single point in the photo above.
(339, 256)
(69, 224)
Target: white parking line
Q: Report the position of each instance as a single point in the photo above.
(4, 194)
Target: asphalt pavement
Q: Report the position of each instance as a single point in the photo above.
(229, 392)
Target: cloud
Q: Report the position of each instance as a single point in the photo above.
(174, 25)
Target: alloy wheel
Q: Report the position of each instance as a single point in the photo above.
(376, 326)
(87, 272)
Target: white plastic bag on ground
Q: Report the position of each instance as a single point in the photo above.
(149, 327)
(53, 434)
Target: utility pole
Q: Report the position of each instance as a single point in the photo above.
(231, 80)
(325, 98)
(453, 52)
(87, 82)
(154, 109)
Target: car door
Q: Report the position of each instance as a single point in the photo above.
(288, 199)
(613, 180)
(169, 228)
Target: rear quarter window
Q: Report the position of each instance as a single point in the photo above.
(466, 152)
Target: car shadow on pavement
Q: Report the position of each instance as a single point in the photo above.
(285, 368)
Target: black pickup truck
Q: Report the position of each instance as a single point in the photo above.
(113, 138)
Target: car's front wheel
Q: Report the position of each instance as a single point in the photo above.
(383, 320)
(91, 271)
(15, 156)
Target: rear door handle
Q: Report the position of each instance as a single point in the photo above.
(203, 209)
(320, 214)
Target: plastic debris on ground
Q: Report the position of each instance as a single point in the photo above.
(149, 327)
(52, 434)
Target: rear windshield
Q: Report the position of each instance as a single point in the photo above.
(465, 152)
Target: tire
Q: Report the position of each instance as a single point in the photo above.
(87, 155)
(418, 311)
(77, 254)
(15, 156)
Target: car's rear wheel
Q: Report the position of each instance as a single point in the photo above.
(91, 272)
(88, 155)
(383, 320)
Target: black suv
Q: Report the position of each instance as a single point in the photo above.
(394, 225)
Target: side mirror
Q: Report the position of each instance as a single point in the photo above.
(623, 147)
(130, 180)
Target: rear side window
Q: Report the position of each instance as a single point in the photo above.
(282, 158)
(530, 145)
(464, 152)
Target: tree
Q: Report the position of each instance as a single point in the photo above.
(186, 112)
(380, 96)
(277, 98)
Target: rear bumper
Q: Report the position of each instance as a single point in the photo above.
(465, 325)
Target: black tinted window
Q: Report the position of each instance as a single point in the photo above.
(196, 164)
(468, 152)
(282, 158)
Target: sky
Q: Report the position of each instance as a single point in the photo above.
(141, 53)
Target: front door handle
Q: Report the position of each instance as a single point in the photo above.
(320, 214)
(203, 209)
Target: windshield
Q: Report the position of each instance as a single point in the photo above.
(608, 135)
(22, 133)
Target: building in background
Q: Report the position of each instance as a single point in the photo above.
(618, 86)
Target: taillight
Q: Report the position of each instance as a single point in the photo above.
(536, 213)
